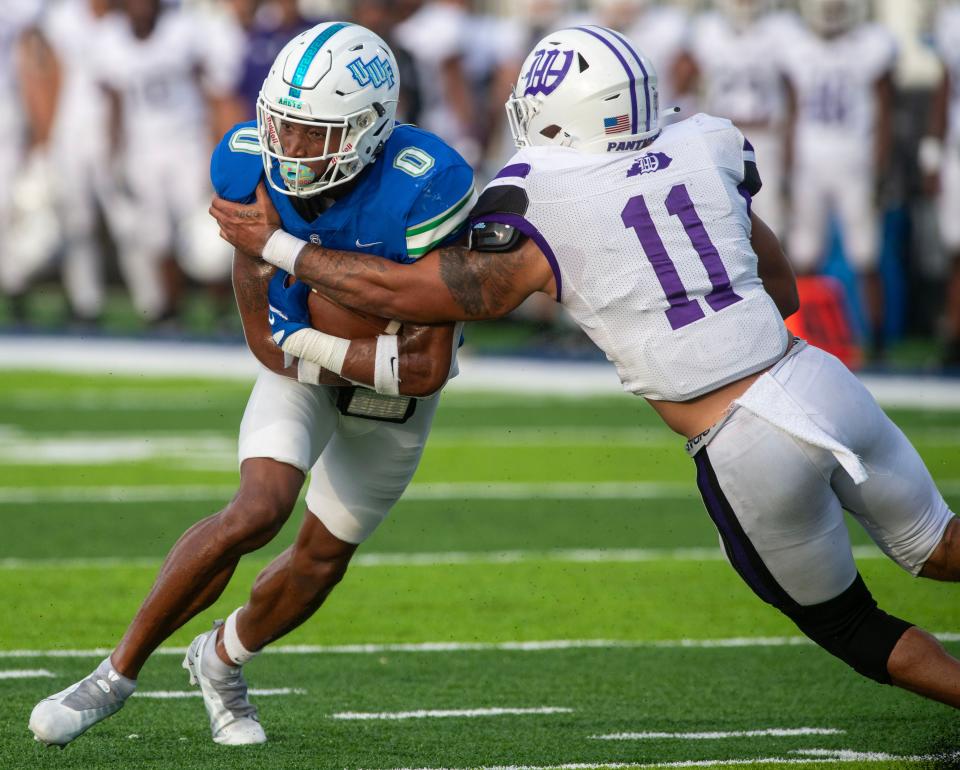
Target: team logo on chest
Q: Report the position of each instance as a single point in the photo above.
(547, 71)
(648, 163)
(376, 72)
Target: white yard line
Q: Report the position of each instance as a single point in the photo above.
(171, 694)
(453, 647)
(448, 558)
(816, 756)
(498, 375)
(780, 732)
(445, 713)
(26, 673)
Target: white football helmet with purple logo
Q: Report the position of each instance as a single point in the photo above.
(588, 88)
(335, 76)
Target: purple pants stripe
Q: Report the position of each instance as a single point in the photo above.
(744, 557)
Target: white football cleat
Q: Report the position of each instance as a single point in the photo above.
(59, 719)
(233, 719)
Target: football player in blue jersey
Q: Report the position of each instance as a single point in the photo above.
(326, 151)
(648, 238)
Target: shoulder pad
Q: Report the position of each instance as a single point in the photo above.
(236, 165)
(495, 237)
(501, 199)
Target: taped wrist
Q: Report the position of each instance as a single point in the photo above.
(282, 250)
(386, 368)
(322, 349)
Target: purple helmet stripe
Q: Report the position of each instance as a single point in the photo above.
(531, 232)
(646, 76)
(626, 67)
(515, 169)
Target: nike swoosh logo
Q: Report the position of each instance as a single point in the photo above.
(367, 245)
(272, 319)
(393, 368)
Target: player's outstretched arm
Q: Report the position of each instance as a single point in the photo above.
(452, 283)
(774, 268)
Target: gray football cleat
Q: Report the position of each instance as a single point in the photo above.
(59, 719)
(233, 719)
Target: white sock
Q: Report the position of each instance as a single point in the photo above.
(231, 641)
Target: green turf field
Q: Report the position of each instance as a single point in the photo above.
(574, 522)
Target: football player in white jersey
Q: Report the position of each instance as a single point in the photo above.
(840, 71)
(170, 72)
(647, 237)
(733, 47)
(940, 162)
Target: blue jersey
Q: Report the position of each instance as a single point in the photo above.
(415, 196)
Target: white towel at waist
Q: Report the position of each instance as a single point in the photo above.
(770, 401)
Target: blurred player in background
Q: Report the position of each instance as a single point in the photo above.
(841, 74)
(72, 30)
(341, 171)
(437, 36)
(268, 27)
(735, 48)
(17, 34)
(649, 240)
(171, 75)
(940, 163)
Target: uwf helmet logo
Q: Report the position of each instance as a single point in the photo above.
(546, 72)
(377, 72)
(647, 164)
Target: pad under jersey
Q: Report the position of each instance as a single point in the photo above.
(651, 253)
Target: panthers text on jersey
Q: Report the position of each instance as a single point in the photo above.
(651, 253)
(414, 197)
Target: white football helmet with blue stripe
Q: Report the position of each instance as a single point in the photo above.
(588, 88)
(336, 76)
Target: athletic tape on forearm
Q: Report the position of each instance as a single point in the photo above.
(386, 368)
(232, 644)
(282, 250)
(323, 349)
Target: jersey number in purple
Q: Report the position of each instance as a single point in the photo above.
(683, 310)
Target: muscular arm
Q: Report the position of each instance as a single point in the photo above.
(451, 283)
(774, 269)
(425, 351)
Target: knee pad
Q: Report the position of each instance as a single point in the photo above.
(852, 627)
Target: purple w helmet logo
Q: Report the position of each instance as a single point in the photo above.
(546, 72)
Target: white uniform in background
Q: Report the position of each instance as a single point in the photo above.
(79, 151)
(166, 135)
(740, 81)
(662, 33)
(436, 33)
(13, 21)
(834, 163)
(947, 42)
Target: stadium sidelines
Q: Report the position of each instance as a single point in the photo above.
(518, 375)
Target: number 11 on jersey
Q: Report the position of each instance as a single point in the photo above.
(683, 310)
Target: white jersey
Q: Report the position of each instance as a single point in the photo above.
(739, 69)
(73, 32)
(834, 81)
(651, 254)
(946, 38)
(159, 78)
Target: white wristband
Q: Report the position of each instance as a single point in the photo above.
(930, 156)
(386, 367)
(323, 349)
(282, 250)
